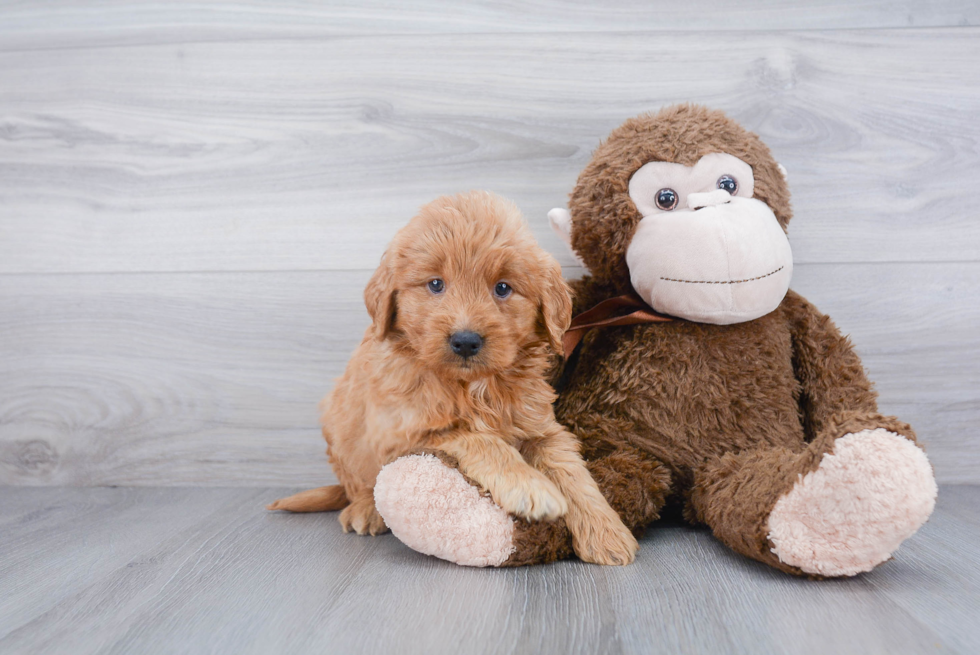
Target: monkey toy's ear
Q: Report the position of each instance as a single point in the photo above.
(379, 297)
(561, 224)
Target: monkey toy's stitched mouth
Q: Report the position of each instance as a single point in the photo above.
(749, 279)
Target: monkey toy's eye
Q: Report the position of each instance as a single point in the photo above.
(666, 199)
(728, 183)
(436, 286)
(502, 290)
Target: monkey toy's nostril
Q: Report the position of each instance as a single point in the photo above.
(465, 344)
(696, 201)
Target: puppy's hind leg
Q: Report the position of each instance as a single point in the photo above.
(321, 499)
(362, 516)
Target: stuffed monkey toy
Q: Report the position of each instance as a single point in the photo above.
(737, 400)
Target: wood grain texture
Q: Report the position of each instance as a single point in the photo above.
(214, 378)
(29, 25)
(287, 153)
(81, 538)
(207, 570)
(191, 196)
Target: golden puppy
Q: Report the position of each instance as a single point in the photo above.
(467, 314)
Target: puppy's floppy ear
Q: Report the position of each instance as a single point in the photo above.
(379, 297)
(556, 306)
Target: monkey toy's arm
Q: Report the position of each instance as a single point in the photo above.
(836, 396)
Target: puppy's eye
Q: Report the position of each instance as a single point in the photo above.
(502, 290)
(666, 199)
(728, 183)
(436, 285)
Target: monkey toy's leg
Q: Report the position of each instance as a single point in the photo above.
(840, 507)
(431, 507)
(841, 503)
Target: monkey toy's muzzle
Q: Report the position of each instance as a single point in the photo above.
(723, 260)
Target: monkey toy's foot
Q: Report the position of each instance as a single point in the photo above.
(433, 509)
(867, 496)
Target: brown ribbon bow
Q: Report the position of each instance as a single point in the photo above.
(609, 313)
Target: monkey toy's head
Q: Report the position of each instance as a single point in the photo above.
(688, 209)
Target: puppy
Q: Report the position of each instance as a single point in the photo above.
(468, 313)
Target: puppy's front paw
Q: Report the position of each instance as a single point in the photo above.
(607, 542)
(534, 498)
(362, 517)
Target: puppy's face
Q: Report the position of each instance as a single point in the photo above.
(466, 287)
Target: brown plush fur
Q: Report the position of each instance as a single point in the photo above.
(727, 417)
(406, 389)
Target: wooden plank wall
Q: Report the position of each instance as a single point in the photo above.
(192, 198)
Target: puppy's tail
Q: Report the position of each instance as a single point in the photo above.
(321, 499)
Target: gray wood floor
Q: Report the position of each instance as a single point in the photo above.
(184, 570)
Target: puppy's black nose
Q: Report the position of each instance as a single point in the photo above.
(466, 344)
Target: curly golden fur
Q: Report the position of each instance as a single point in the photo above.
(405, 387)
